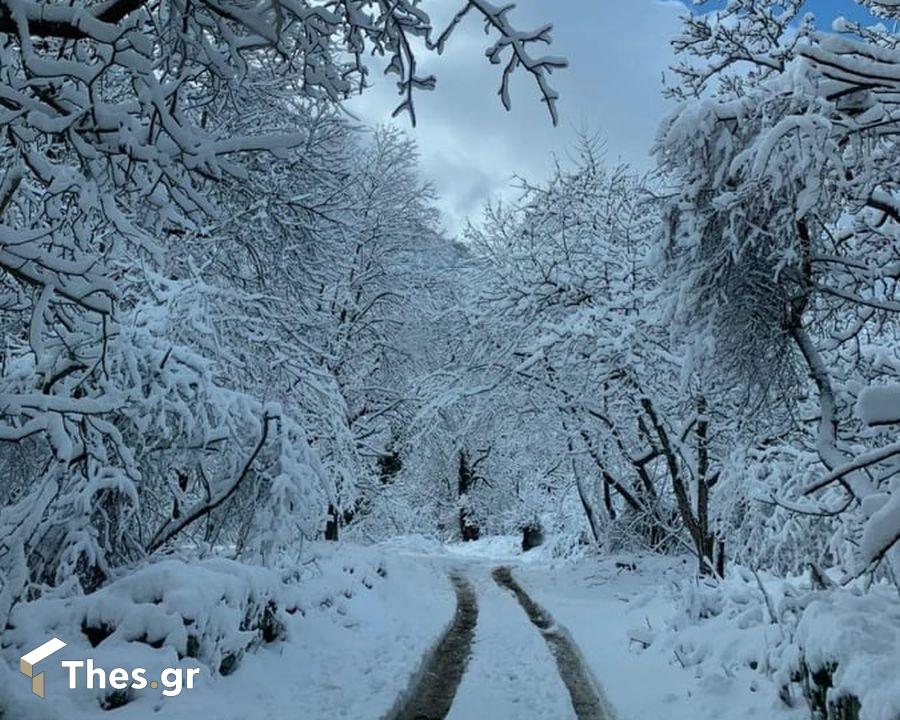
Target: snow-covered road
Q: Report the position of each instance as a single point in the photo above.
(511, 673)
(617, 653)
(518, 664)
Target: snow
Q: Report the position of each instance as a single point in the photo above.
(664, 645)
(496, 548)
(879, 405)
(230, 317)
(621, 620)
(364, 623)
(489, 550)
(882, 529)
(657, 642)
(861, 635)
(511, 674)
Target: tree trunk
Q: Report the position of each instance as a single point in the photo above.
(586, 505)
(468, 529)
(332, 526)
(585, 500)
(704, 540)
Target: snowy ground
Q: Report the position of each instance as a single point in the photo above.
(511, 673)
(614, 613)
(350, 655)
(373, 617)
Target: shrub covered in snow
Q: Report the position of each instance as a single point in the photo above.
(216, 615)
(834, 649)
(848, 654)
(212, 611)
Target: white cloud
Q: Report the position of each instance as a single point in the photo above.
(471, 147)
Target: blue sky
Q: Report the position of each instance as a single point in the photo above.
(825, 10)
(618, 52)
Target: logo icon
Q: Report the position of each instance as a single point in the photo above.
(27, 663)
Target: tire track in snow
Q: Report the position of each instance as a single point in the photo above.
(432, 693)
(587, 698)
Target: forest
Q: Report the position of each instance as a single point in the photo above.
(254, 395)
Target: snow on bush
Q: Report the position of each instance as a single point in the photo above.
(852, 643)
(212, 610)
(211, 613)
(723, 629)
(836, 650)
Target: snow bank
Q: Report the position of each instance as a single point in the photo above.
(658, 649)
(213, 611)
(834, 650)
(171, 613)
(339, 635)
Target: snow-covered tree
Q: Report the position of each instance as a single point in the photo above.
(783, 223)
(139, 366)
(570, 307)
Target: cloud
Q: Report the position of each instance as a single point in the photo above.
(618, 51)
